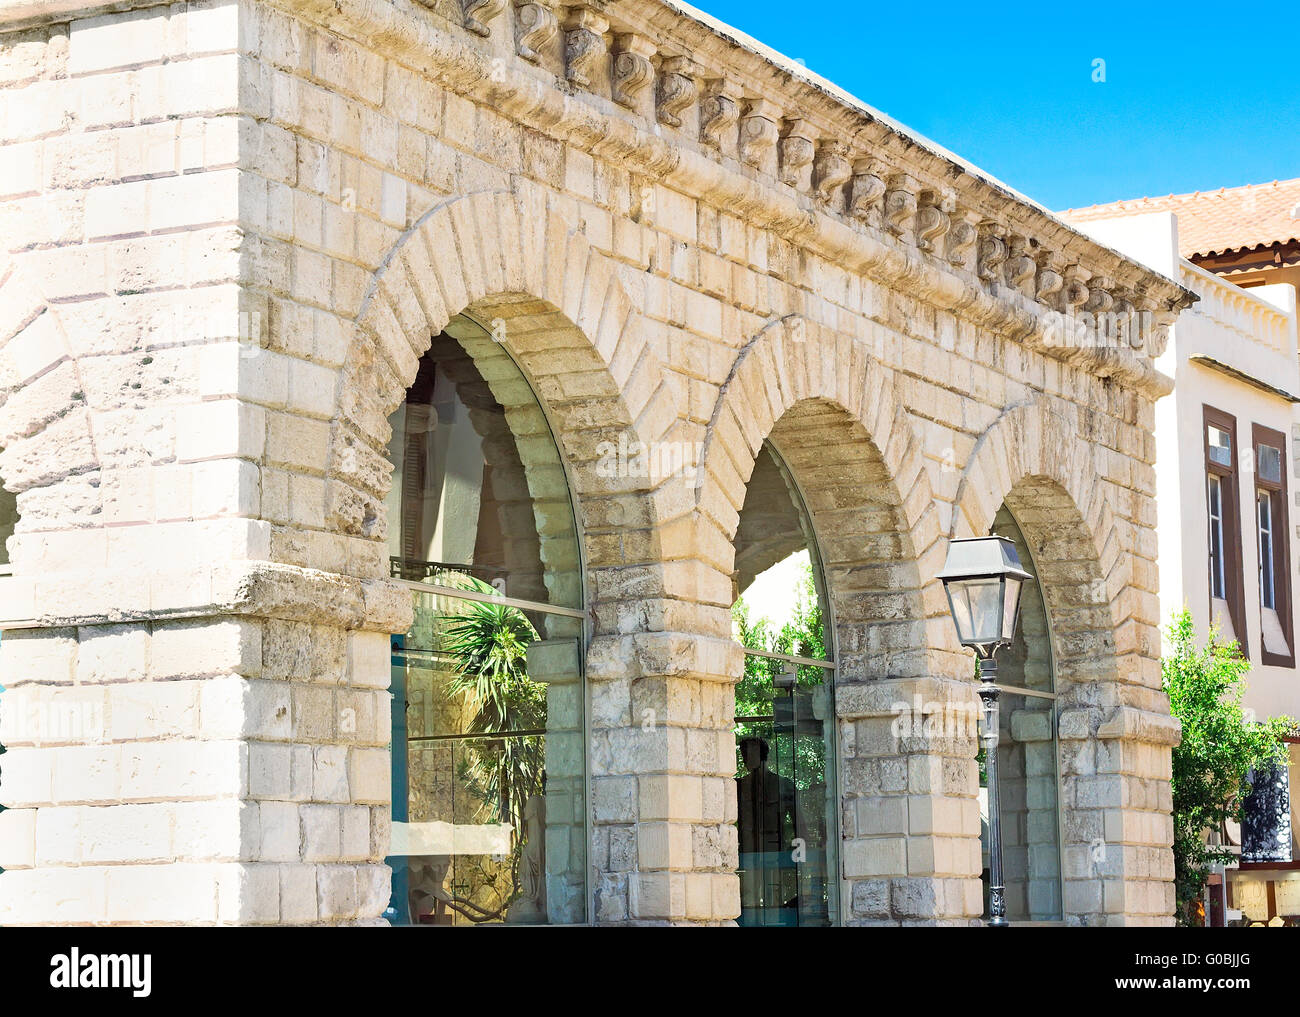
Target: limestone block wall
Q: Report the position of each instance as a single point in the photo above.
(193, 737)
(247, 221)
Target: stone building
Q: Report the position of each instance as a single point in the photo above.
(488, 351)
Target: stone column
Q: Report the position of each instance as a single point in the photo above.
(1116, 766)
(909, 787)
(663, 778)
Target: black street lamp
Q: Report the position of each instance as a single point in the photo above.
(983, 580)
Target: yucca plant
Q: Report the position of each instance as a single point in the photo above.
(489, 643)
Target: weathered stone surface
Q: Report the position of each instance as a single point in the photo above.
(233, 229)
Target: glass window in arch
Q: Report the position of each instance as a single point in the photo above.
(785, 717)
(489, 796)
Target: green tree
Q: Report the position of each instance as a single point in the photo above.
(1220, 746)
(803, 634)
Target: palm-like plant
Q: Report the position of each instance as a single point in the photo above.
(489, 643)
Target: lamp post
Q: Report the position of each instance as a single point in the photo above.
(983, 579)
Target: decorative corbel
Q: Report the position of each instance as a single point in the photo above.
(1050, 281)
(961, 238)
(479, 12)
(832, 169)
(718, 113)
(933, 220)
(1099, 299)
(1020, 267)
(992, 253)
(1159, 325)
(584, 45)
(632, 69)
(900, 203)
(759, 132)
(1125, 319)
(676, 90)
(538, 25)
(797, 151)
(866, 192)
(1076, 287)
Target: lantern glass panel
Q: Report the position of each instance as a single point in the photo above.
(977, 609)
(1010, 608)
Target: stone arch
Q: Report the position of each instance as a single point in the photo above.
(1032, 460)
(513, 263)
(831, 413)
(46, 438)
(1110, 707)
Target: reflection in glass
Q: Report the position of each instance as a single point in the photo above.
(784, 713)
(8, 520)
(478, 486)
(489, 813)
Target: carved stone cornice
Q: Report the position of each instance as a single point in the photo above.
(632, 69)
(538, 25)
(456, 59)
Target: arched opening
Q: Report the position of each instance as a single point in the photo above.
(489, 795)
(785, 718)
(1029, 781)
(1106, 676)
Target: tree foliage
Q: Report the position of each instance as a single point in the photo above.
(1221, 745)
(802, 634)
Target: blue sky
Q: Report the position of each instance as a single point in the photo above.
(1196, 96)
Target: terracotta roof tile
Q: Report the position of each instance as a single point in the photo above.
(1211, 222)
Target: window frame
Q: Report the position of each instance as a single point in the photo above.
(1281, 541)
(1230, 510)
(1218, 565)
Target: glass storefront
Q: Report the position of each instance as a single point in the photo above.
(785, 718)
(489, 787)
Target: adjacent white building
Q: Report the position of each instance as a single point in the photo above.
(1227, 464)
